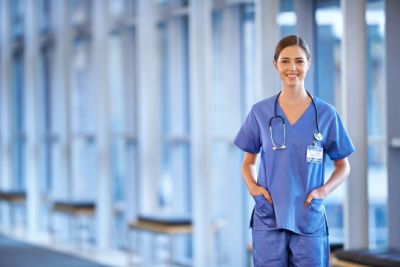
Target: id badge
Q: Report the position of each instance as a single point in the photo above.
(314, 154)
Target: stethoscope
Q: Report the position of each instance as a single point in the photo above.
(317, 134)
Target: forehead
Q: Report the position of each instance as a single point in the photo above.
(293, 51)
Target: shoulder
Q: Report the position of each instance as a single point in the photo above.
(264, 105)
(325, 107)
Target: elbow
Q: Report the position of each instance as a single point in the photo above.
(245, 167)
(346, 168)
(248, 163)
(343, 166)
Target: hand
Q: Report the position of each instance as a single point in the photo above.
(316, 193)
(259, 190)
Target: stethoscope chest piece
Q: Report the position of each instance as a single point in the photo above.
(317, 135)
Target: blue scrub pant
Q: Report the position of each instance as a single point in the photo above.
(283, 248)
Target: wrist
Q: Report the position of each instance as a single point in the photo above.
(323, 192)
(252, 188)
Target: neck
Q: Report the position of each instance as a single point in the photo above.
(294, 95)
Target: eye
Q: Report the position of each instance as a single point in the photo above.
(300, 61)
(284, 61)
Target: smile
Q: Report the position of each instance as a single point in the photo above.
(292, 76)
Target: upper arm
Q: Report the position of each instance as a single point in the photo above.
(249, 158)
(248, 138)
(338, 145)
(342, 164)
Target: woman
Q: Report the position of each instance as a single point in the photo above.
(294, 132)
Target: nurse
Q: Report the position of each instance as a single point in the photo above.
(293, 132)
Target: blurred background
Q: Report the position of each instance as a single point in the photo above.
(117, 110)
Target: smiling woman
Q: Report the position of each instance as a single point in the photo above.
(290, 213)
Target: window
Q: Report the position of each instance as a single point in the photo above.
(17, 18)
(17, 122)
(122, 88)
(377, 149)
(17, 119)
(287, 17)
(173, 187)
(47, 137)
(329, 22)
(45, 93)
(82, 109)
(233, 87)
(44, 15)
(82, 106)
(80, 12)
(174, 182)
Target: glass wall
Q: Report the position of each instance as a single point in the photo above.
(173, 185)
(329, 34)
(328, 53)
(173, 188)
(82, 104)
(17, 119)
(47, 136)
(123, 108)
(69, 143)
(377, 151)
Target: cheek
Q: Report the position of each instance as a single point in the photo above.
(303, 71)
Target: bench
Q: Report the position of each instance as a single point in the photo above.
(169, 227)
(380, 257)
(77, 212)
(13, 198)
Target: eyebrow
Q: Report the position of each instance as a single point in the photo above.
(295, 58)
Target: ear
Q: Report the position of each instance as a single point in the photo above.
(274, 63)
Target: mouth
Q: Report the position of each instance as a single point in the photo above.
(292, 76)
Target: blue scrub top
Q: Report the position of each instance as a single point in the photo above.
(286, 174)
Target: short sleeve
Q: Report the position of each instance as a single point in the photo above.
(248, 137)
(338, 144)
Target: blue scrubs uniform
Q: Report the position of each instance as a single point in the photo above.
(286, 233)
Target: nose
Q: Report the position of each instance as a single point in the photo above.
(292, 66)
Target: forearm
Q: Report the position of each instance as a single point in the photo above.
(339, 174)
(249, 175)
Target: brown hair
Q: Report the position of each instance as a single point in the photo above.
(289, 41)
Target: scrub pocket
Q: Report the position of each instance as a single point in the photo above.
(310, 219)
(263, 217)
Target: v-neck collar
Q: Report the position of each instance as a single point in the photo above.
(299, 119)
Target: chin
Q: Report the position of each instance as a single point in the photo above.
(292, 83)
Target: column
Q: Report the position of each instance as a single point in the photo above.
(100, 81)
(392, 11)
(176, 91)
(31, 66)
(201, 123)
(229, 179)
(5, 94)
(148, 105)
(130, 60)
(355, 118)
(306, 28)
(5, 107)
(60, 84)
(267, 36)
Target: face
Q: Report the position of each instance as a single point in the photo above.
(292, 66)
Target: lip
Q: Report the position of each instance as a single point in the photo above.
(292, 75)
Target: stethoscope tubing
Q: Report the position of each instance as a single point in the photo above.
(283, 120)
(317, 134)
